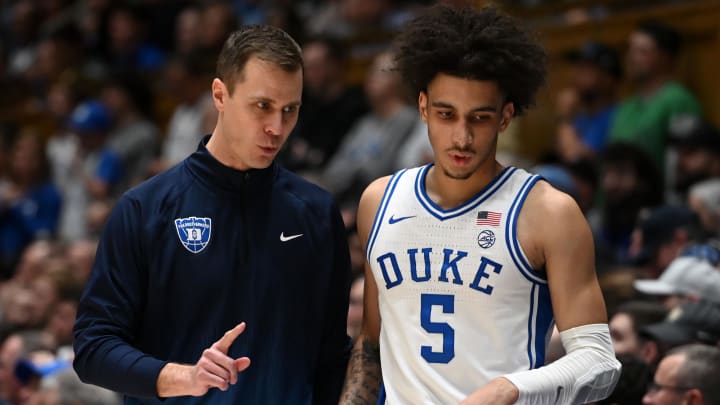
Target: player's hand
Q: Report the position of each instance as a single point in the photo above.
(499, 391)
(215, 369)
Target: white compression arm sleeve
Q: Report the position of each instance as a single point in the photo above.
(587, 373)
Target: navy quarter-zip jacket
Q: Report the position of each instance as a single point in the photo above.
(263, 246)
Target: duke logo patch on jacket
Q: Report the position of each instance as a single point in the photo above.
(194, 232)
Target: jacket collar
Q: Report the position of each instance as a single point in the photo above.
(226, 179)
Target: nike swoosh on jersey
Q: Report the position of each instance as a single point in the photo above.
(394, 220)
(284, 238)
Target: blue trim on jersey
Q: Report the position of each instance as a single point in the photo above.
(380, 213)
(511, 240)
(442, 214)
(382, 396)
(544, 323)
(531, 328)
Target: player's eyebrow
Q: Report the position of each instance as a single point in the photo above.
(442, 104)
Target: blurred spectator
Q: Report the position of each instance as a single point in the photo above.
(29, 202)
(36, 260)
(61, 316)
(128, 49)
(371, 147)
(585, 178)
(645, 118)
(634, 379)
(330, 107)
(355, 310)
(704, 199)
(661, 234)
(585, 124)
(416, 150)
(65, 388)
(709, 252)
(625, 325)
(186, 78)
(188, 30)
(20, 35)
(629, 182)
(87, 170)
(691, 322)
(686, 375)
(558, 177)
(698, 153)
(133, 137)
(348, 18)
(217, 20)
(686, 278)
(30, 371)
(15, 347)
(80, 255)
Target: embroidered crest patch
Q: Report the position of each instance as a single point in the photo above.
(194, 232)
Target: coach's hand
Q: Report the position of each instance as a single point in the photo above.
(214, 369)
(499, 391)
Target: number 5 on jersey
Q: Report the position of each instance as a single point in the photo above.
(447, 305)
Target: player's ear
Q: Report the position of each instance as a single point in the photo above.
(219, 93)
(507, 113)
(422, 106)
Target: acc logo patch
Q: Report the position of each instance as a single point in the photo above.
(194, 232)
(486, 238)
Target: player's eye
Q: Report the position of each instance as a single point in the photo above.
(480, 117)
(262, 105)
(445, 114)
(290, 109)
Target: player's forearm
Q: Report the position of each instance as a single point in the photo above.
(174, 380)
(363, 378)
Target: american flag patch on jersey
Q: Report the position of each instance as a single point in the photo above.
(488, 218)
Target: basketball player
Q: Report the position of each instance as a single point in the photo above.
(225, 241)
(470, 263)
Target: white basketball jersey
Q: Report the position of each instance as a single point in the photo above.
(459, 302)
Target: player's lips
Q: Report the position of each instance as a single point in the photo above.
(460, 158)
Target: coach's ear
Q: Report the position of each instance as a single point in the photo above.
(422, 106)
(219, 93)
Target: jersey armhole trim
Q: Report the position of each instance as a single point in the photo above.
(380, 213)
(511, 240)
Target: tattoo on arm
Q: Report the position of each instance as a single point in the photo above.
(362, 382)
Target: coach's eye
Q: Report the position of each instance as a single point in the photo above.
(290, 109)
(262, 105)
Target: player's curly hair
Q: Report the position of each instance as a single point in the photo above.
(474, 44)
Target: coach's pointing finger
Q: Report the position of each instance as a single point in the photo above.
(228, 338)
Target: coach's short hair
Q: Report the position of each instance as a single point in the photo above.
(473, 44)
(264, 42)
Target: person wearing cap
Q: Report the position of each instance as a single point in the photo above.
(687, 375)
(691, 322)
(660, 235)
(88, 170)
(644, 118)
(686, 278)
(585, 125)
(697, 144)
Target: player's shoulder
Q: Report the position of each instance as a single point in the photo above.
(550, 206)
